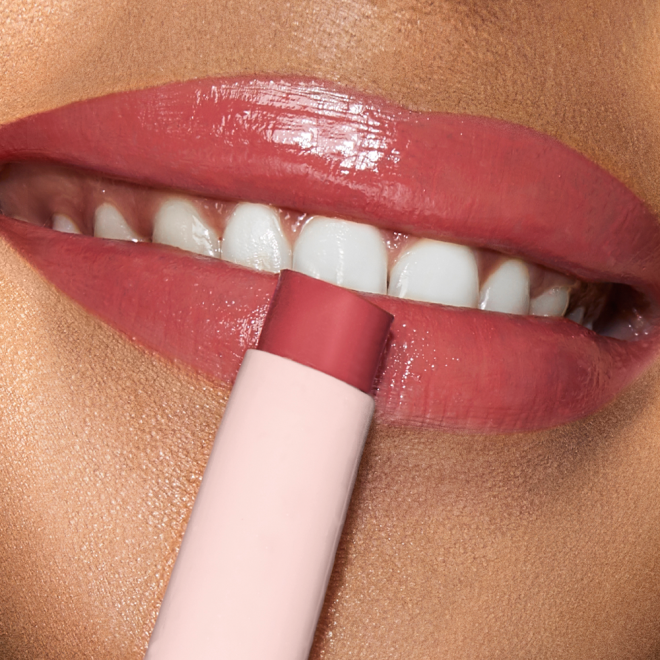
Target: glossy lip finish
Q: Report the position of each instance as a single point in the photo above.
(315, 147)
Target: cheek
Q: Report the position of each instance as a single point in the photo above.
(102, 450)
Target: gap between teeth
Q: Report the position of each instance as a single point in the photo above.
(350, 254)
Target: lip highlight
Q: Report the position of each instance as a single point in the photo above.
(315, 147)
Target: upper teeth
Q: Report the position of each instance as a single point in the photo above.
(346, 253)
(553, 302)
(438, 272)
(254, 238)
(507, 289)
(110, 223)
(350, 254)
(64, 223)
(178, 223)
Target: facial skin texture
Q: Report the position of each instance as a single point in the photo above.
(537, 545)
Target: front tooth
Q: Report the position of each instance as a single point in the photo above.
(110, 223)
(506, 289)
(254, 238)
(553, 302)
(436, 272)
(64, 224)
(350, 254)
(179, 224)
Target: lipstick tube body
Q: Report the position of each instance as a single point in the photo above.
(254, 564)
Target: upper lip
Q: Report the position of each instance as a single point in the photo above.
(316, 147)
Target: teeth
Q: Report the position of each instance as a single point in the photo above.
(254, 238)
(506, 289)
(552, 302)
(110, 223)
(64, 224)
(576, 315)
(346, 253)
(178, 223)
(349, 254)
(436, 272)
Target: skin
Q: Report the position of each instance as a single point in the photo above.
(539, 545)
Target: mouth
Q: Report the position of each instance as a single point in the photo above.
(523, 278)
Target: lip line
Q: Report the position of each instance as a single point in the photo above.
(293, 172)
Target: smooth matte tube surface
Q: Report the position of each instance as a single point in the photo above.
(254, 564)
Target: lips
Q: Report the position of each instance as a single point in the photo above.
(315, 147)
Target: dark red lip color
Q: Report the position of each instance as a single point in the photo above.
(315, 147)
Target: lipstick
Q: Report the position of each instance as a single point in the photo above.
(254, 564)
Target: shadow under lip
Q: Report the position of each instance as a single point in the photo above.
(299, 143)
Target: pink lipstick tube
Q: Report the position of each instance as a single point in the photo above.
(254, 564)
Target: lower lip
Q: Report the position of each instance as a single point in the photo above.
(446, 368)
